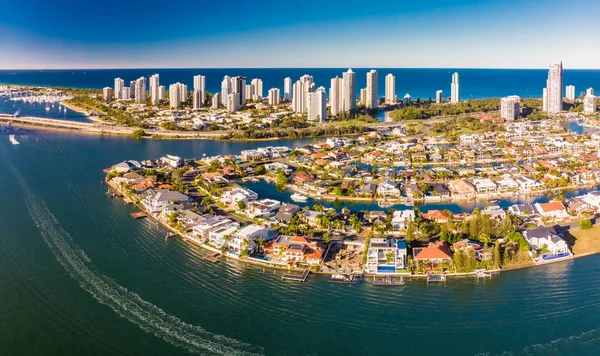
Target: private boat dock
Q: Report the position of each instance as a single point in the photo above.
(139, 215)
(214, 258)
(296, 277)
(389, 282)
(436, 278)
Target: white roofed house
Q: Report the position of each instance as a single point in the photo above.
(484, 186)
(593, 199)
(243, 239)
(238, 194)
(546, 238)
(278, 166)
(221, 236)
(388, 188)
(386, 256)
(527, 184)
(173, 161)
(401, 218)
(208, 224)
(155, 201)
(264, 207)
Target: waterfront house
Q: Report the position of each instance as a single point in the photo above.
(440, 190)
(388, 188)
(401, 218)
(507, 184)
(553, 210)
(294, 249)
(368, 190)
(127, 166)
(547, 237)
(208, 224)
(155, 201)
(527, 184)
(593, 198)
(243, 239)
(484, 186)
(461, 189)
(173, 161)
(440, 217)
(238, 194)
(466, 246)
(522, 210)
(311, 218)
(264, 207)
(435, 252)
(386, 256)
(495, 212)
(221, 236)
(286, 212)
(278, 166)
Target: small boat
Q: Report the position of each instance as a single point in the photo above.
(480, 273)
(13, 140)
(299, 197)
(345, 279)
(47, 108)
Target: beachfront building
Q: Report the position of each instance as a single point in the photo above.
(510, 107)
(438, 97)
(301, 89)
(287, 89)
(200, 84)
(589, 91)
(197, 99)
(349, 94)
(317, 105)
(336, 95)
(552, 94)
(434, 253)
(216, 101)
(249, 91)
(126, 93)
(243, 239)
(455, 89)
(162, 92)
(233, 102)
(155, 201)
(386, 256)
(570, 92)
(362, 96)
(119, 85)
(107, 93)
(174, 96)
(371, 93)
(220, 237)
(257, 85)
(273, 96)
(589, 104)
(294, 249)
(140, 90)
(390, 89)
(154, 89)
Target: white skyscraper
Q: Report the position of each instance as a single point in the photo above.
(126, 93)
(154, 89)
(107, 93)
(570, 92)
(249, 92)
(233, 102)
(390, 89)
(554, 84)
(510, 107)
(349, 95)
(317, 105)
(162, 92)
(455, 89)
(183, 92)
(589, 91)
(198, 99)
(258, 89)
(438, 97)
(216, 101)
(372, 93)
(119, 84)
(287, 89)
(140, 90)
(362, 97)
(132, 89)
(174, 96)
(200, 84)
(225, 89)
(274, 96)
(300, 92)
(589, 104)
(238, 87)
(336, 95)
(545, 99)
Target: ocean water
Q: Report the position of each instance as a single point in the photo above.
(79, 276)
(419, 83)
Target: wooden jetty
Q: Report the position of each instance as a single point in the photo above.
(139, 215)
(214, 258)
(389, 282)
(296, 277)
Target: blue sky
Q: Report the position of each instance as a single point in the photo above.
(44, 34)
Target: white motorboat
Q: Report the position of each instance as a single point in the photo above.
(13, 140)
(299, 197)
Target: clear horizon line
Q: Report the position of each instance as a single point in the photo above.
(309, 67)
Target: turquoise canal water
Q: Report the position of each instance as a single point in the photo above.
(79, 276)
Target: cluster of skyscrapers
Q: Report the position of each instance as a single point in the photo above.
(552, 95)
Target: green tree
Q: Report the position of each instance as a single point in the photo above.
(138, 134)
(585, 224)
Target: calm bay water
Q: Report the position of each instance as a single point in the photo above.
(78, 276)
(423, 83)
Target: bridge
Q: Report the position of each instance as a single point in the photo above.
(36, 121)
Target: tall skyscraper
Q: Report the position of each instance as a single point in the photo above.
(126, 93)
(225, 89)
(349, 95)
(183, 92)
(174, 96)
(162, 93)
(119, 84)
(589, 91)
(510, 107)
(258, 89)
(200, 84)
(154, 89)
(371, 100)
(287, 89)
(438, 97)
(589, 104)
(238, 87)
(198, 99)
(300, 92)
(274, 96)
(317, 105)
(336, 95)
(107, 93)
(233, 102)
(362, 97)
(455, 89)
(132, 89)
(390, 89)
(553, 98)
(140, 90)
(249, 92)
(570, 91)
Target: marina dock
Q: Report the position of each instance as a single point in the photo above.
(436, 278)
(389, 282)
(296, 277)
(139, 215)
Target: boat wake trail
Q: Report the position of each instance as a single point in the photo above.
(125, 303)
